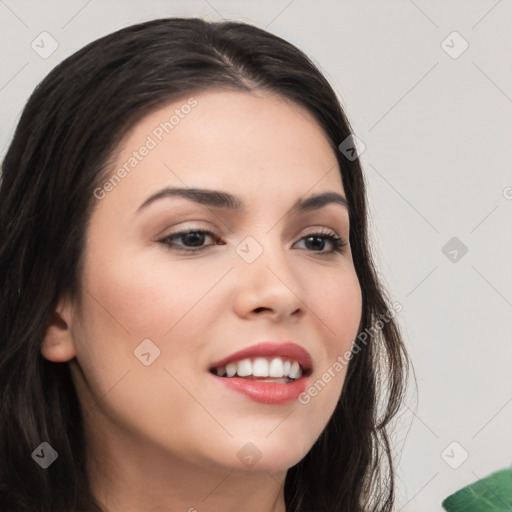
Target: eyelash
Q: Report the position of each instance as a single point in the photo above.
(338, 243)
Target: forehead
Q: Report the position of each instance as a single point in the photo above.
(254, 144)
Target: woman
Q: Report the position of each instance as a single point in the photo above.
(190, 315)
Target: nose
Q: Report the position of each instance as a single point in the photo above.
(269, 286)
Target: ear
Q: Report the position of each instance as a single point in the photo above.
(58, 344)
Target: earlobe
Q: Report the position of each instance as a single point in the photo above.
(58, 344)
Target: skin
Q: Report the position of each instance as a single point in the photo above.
(165, 437)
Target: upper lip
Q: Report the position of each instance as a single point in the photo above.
(285, 350)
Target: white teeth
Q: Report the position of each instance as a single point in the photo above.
(231, 369)
(294, 370)
(244, 368)
(262, 367)
(276, 368)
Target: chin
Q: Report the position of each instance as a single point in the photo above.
(272, 455)
(269, 465)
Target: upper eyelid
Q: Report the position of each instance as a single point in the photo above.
(340, 220)
(187, 229)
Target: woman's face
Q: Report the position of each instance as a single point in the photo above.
(160, 309)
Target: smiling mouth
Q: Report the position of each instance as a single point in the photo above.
(263, 369)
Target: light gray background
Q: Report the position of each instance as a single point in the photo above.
(438, 136)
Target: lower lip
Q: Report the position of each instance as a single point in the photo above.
(270, 393)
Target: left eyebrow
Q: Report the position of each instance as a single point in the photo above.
(319, 201)
(219, 199)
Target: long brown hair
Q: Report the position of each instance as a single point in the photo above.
(65, 138)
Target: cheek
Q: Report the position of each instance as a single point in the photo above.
(338, 306)
(130, 302)
(121, 305)
(153, 298)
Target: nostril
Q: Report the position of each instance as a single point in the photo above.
(261, 308)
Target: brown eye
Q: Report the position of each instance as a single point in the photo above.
(316, 242)
(192, 240)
